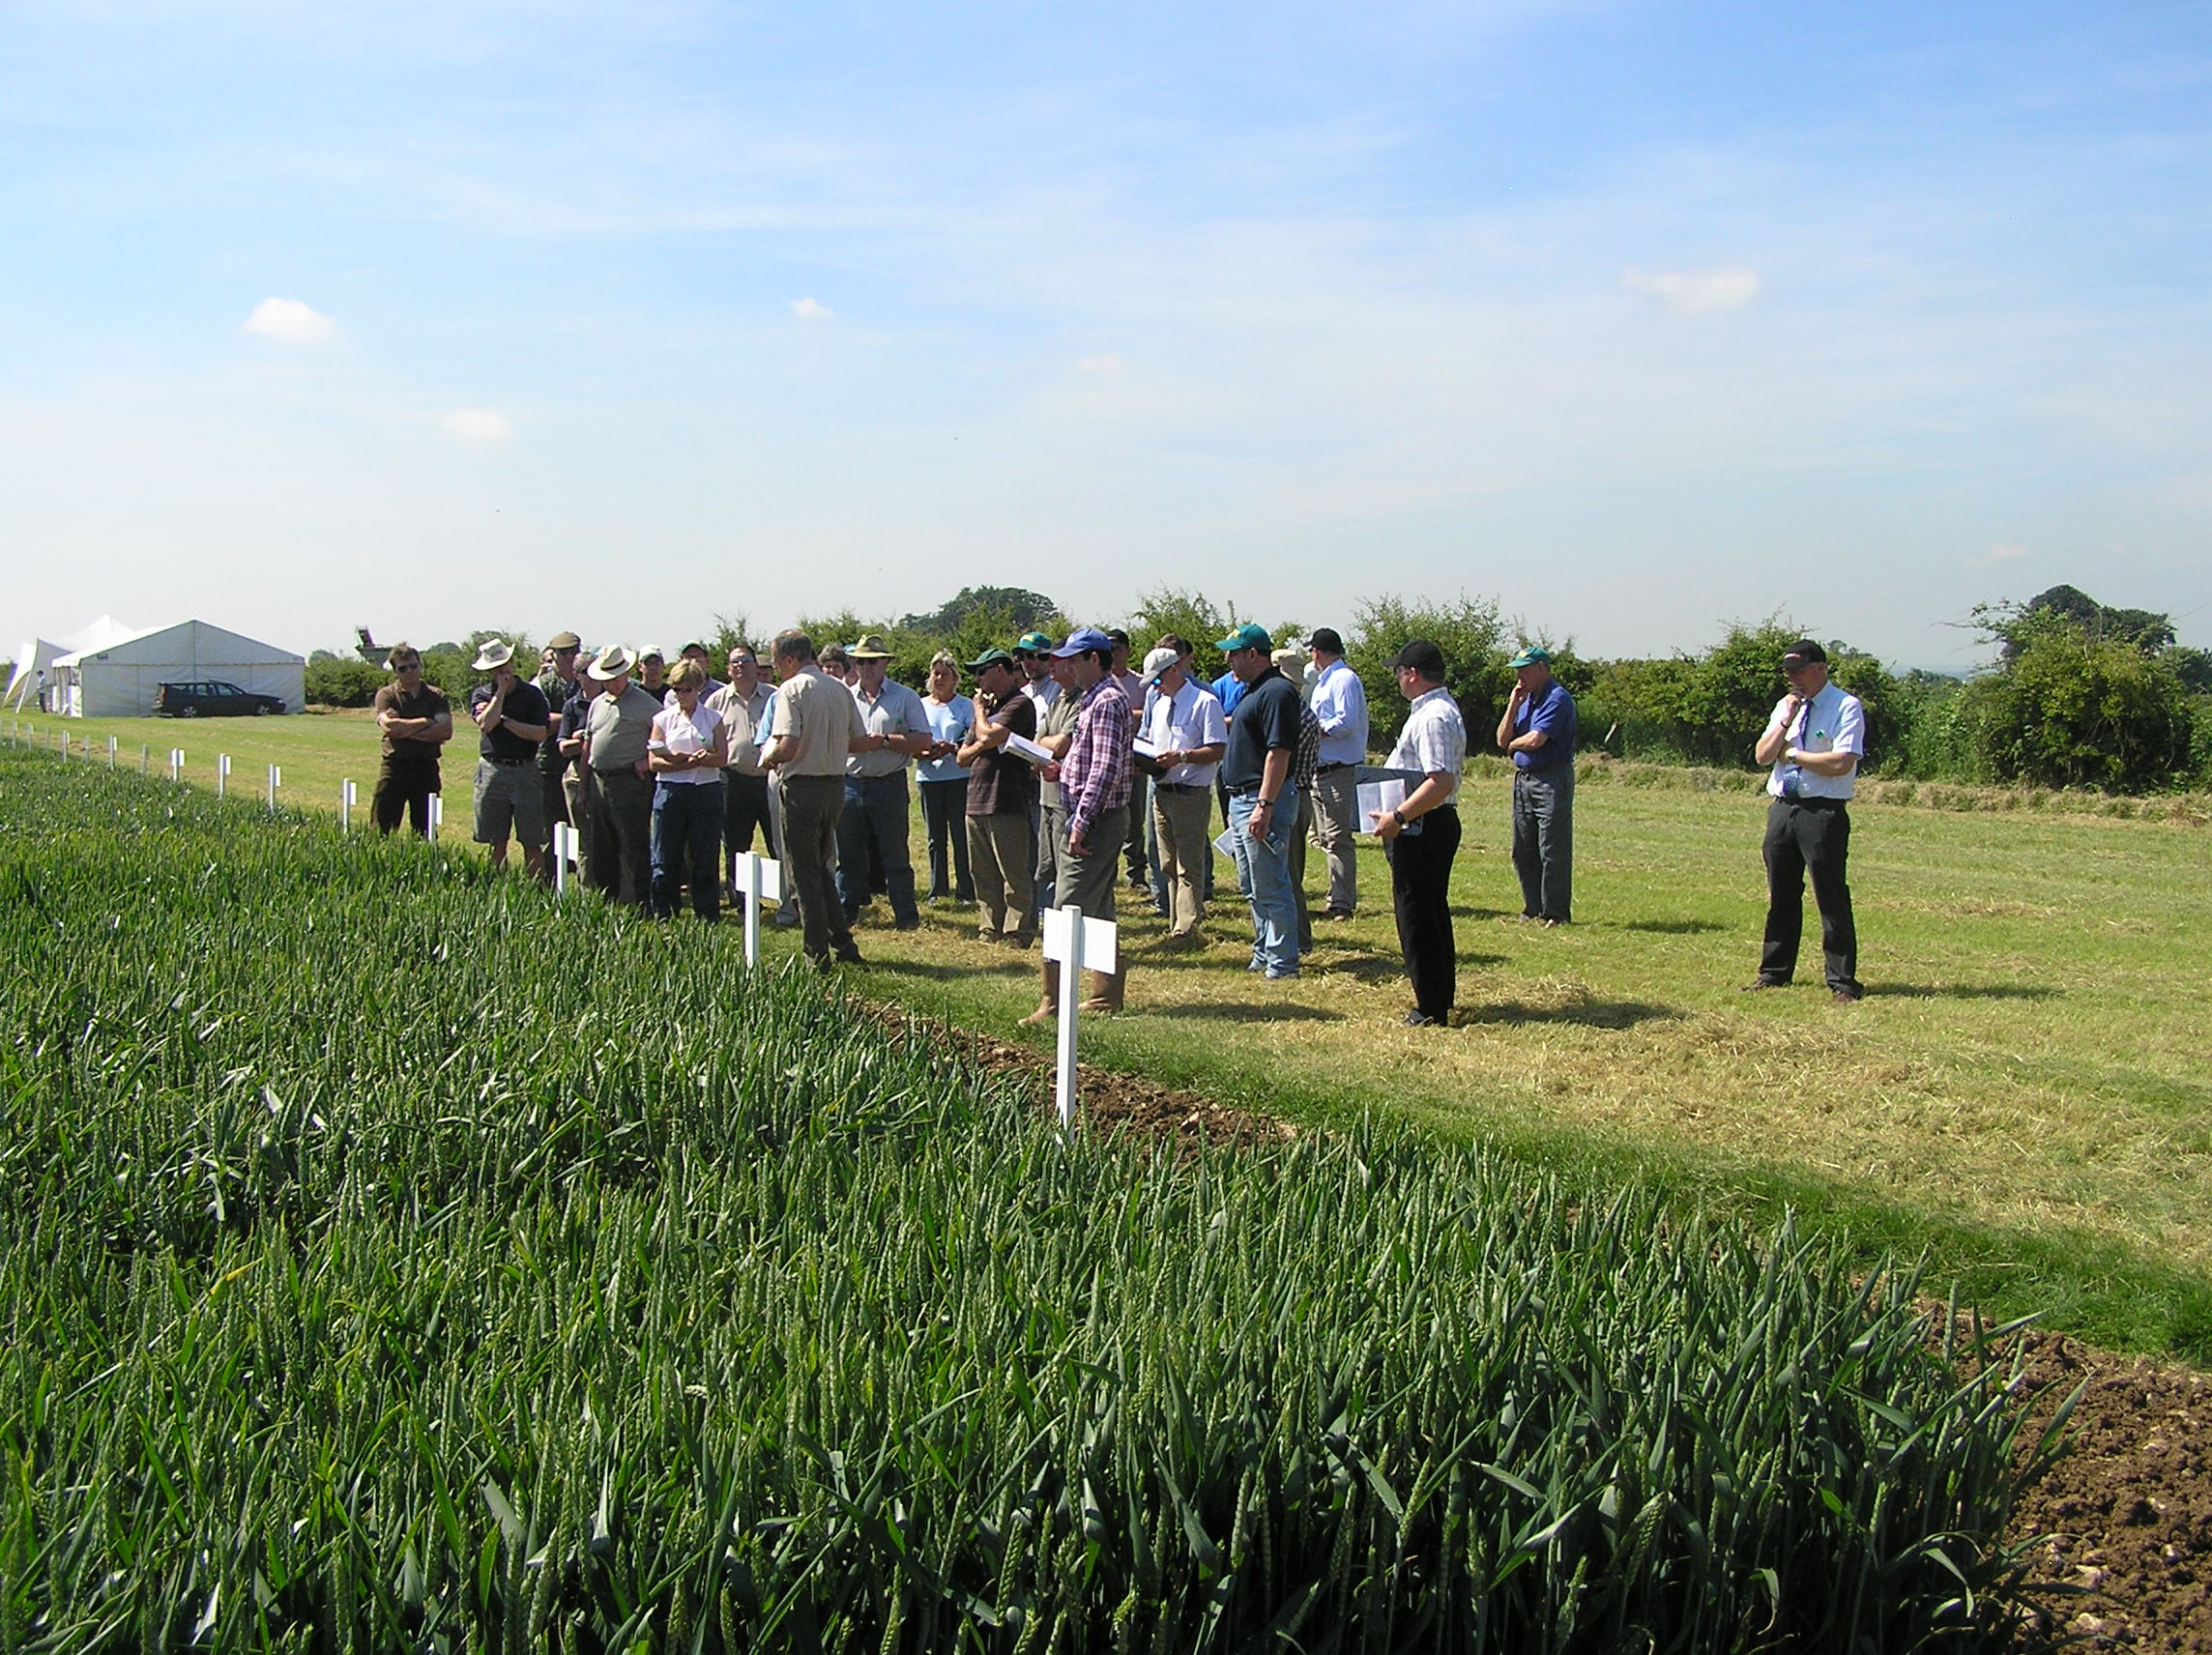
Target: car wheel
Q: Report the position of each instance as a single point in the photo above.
(188, 711)
(261, 709)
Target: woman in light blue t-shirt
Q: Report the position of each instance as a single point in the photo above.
(944, 783)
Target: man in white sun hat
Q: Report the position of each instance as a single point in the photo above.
(511, 720)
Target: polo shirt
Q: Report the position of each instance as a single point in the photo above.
(1229, 691)
(896, 710)
(748, 717)
(1266, 718)
(618, 730)
(428, 702)
(1554, 713)
(819, 714)
(1001, 783)
(525, 704)
(558, 691)
(1832, 721)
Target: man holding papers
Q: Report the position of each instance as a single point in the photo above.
(1185, 734)
(1420, 834)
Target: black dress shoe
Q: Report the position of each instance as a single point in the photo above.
(1849, 995)
(1423, 1020)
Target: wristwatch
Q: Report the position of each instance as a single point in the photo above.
(1399, 816)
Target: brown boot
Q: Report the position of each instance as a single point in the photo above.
(1048, 1007)
(1106, 991)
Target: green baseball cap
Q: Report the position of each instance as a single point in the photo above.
(1036, 643)
(1249, 636)
(990, 657)
(1531, 656)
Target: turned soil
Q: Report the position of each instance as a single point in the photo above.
(2120, 1525)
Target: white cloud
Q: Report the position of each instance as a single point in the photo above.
(1999, 553)
(289, 322)
(1695, 292)
(479, 426)
(811, 310)
(1108, 364)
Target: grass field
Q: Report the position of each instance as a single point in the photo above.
(2024, 1091)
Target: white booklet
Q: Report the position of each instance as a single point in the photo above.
(1022, 747)
(1380, 798)
(1145, 749)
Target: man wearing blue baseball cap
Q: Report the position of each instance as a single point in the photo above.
(1093, 778)
(1537, 730)
(1263, 799)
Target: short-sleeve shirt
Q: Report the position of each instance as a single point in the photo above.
(558, 692)
(1056, 719)
(525, 704)
(676, 732)
(820, 714)
(747, 718)
(1178, 723)
(1265, 719)
(1554, 713)
(895, 712)
(1434, 738)
(949, 721)
(428, 702)
(620, 729)
(1000, 783)
(1832, 721)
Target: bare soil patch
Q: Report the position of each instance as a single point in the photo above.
(2122, 1524)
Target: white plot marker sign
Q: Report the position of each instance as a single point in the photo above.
(437, 815)
(276, 780)
(1079, 945)
(563, 846)
(755, 878)
(345, 806)
(176, 764)
(221, 774)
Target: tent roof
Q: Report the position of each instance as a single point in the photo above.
(96, 635)
(156, 644)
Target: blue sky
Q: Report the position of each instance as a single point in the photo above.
(1637, 319)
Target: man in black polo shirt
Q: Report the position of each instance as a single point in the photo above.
(1262, 801)
(513, 718)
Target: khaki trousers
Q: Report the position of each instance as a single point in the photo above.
(1181, 823)
(999, 858)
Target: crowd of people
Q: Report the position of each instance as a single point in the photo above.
(1058, 775)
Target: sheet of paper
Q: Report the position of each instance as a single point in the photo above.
(1379, 799)
(1021, 746)
(1145, 749)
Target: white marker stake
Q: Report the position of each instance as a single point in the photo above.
(221, 774)
(111, 752)
(176, 764)
(437, 815)
(275, 778)
(559, 859)
(145, 758)
(1076, 942)
(758, 879)
(345, 806)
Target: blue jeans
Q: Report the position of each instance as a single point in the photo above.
(875, 814)
(686, 844)
(1265, 867)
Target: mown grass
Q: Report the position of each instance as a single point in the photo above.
(394, 1258)
(2023, 1092)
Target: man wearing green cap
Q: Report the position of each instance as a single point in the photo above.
(1263, 798)
(1538, 730)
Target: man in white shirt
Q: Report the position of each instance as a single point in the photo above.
(1813, 743)
(1184, 726)
(1421, 835)
(875, 814)
(745, 702)
(1339, 704)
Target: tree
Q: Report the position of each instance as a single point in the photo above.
(1005, 605)
(2070, 709)
(1471, 632)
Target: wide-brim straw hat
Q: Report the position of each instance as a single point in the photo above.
(613, 663)
(494, 654)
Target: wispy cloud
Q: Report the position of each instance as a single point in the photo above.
(479, 426)
(2000, 553)
(1103, 364)
(289, 322)
(1695, 292)
(811, 310)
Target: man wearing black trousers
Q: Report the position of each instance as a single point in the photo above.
(1814, 741)
(1421, 835)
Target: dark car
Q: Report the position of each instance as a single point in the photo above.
(212, 698)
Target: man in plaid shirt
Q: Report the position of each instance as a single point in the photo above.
(1094, 778)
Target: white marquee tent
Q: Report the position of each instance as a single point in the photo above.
(118, 677)
(35, 658)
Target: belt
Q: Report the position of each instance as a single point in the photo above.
(614, 769)
(1813, 800)
(511, 763)
(1181, 787)
(1330, 769)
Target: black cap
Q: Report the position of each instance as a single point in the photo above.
(1327, 640)
(1802, 651)
(1423, 656)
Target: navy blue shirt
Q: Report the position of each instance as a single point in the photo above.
(1266, 718)
(1551, 711)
